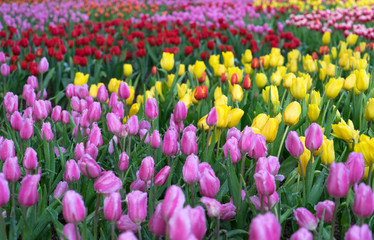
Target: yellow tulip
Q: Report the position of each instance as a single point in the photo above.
(170, 80)
(327, 58)
(326, 38)
(270, 130)
(214, 60)
(260, 120)
(345, 131)
(182, 90)
(218, 70)
(80, 78)
(315, 98)
(217, 93)
(369, 110)
(362, 80)
(334, 53)
(362, 46)
(330, 71)
(308, 79)
(134, 109)
(261, 80)
(140, 99)
(362, 64)
(233, 70)
(247, 56)
(292, 66)
(182, 69)
(186, 99)
(228, 59)
(93, 90)
(292, 114)
(344, 61)
(221, 100)
(276, 78)
(274, 57)
(350, 82)
(193, 99)
(313, 112)
(234, 117)
(366, 147)
(116, 87)
(351, 39)
(237, 93)
(127, 69)
(287, 82)
(131, 98)
(201, 124)
(298, 88)
(304, 159)
(328, 152)
(322, 74)
(199, 69)
(333, 87)
(112, 84)
(308, 64)
(248, 69)
(167, 61)
(274, 94)
(222, 111)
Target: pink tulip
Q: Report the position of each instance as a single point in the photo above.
(162, 176)
(113, 123)
(359, 233)
(151, 108)
(29, 95)
(89, 167)
(73, 208)
(337, 181)
(191, 169)
(363, 205)
(137, 206)
(259, 148)
(180, 111)
(173, 201)
(56, 114)
(72, 172)
(125, 224)
(4, 190)
(170, 143)
(127, 236)
(94, 112)
(11, 169)
(247, 140)
(140, 185)
(209, 183)
(27, 129)
(178, 126)
(79, 151)
(107, 183)
(44, 94)
(212, 117)
(179, 226)
(95, 136)
(305, 219)
(313, 137)
(155, 139)
(123, 91)
(147, 169)
(157, 224)
(92, 150)
(189, 143)
(123, 163)
(70, 91)
(30, 159)
(327, 206)
(294, 145)
(28, 194)
(43, 65)
(5, 69)
(69, 232)
(228, 211)
(270, 164)
(33, 81)
(7, 149)
(113, 100)
(132, 125)
(356, 167)
(232, 145)
(61, 188)
(16, 121)
(102, 94)
(112, 207)
(46, 132)
(233, 132)
(198, 221)
(302, 234)
(256, 200)
(265, 182)
(65, 118)
(10, 102)
(265, 227)
(39, 112)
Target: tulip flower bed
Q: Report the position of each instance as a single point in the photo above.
(145, 120)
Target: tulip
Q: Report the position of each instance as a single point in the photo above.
(162, 176)
(369, 110)
(294, 145)
(127, 69)
(199, 69)
(298, 88)
(30, 160)
(10, 102)
(102, 94)
(27, 130)
(267, 201)
(270, 130)
(265, 182)
(72, 172)
(328, 152)
(273, 91)
(123, 91)
(232, 146)
(179, 226)
(209, 183)
(70, 232)
(125, 224)
(155, 139)
(173, 201)
(16, 121)
(4, 190)
(305, 219)
(326, 38)
(363, 205)
(212, 117)
(302, 234)
(112, 207)
(46, 132)
(246, 141)
(147, 169)
(333, 87)
(11, 169)
(292, 113)
(170, 143)
(80, 79)
(313, 112)
(234, 117)
(137, 206)
(191, 169)
(228, 59)
(180, 112)
(65, 118)
(345, 131)
(198, 221)
(113, 123)
(189, 143)
(350, 82)
(356, 167)
(127, 236)
(107, 183)
(28, 194)
(123, 163)
(313, 137)
(362, 82)
(94, 112)
(7, 149)
(5, 70)
(157, 224)
(167, 61)
(359, 233)
(261, 80)
(132, 125)
(265, 227)
(213, 207)
(61, 188)
(43, 65)
(151, 108)
(237, 93)
(228, 211)
(73, 208)
(337, 181)
(326, 207)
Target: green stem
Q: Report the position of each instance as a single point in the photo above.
(361, 221)
(334, 218)
(241, 174)
(3, 224)
(281, 143)
(219, 139)
(76, 231)
(24, 222)
(41, 87)
(139, 232)
(14, 225)
(207, 142)
(192, 195)
(129, 149)
(370, 175)
(4, 86)
(303, 175)
(113, 235)
(96, 216)
(217, 228)
(324, 113)
(262, 204)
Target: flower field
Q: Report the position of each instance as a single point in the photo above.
(185, 120)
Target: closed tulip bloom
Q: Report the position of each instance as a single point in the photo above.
(107, 183)
(167, 61)
(302, 234)
(198, 221)
(292, 113)
(27, 129)
(233, 132)
(11, 169)
(191, 169)
(299, 88)
(359, 233)
(127, 236)
(125, 224)
(65, 118)
(16, 121)
(7, 149)
(237, 93)
(350, 82)
(5, 69)
(294, 145)
(234, 117)
(47, 132)
(123, 91)
(326, 206)
(127, 69)
(212, 117)
(259, 149)
(155, 139)
(337, 181)
(333, 87)
(265, 227)
(214, 208)
(356, 166)
(61, 188)
(209, 183)
(273, 91)
(313, 137)
(10, 102)
(326, 38)
(79, 151)
(189, 143)
(173, 201)
(313, 112)
(179, 226)
(228, 211)
(180, 111)
(246, 141)
(123, 163)
(147, 169)
(157, 224)
(28, 194)
(265, 182)
(232, 145)
(73, 208)
(43, 65)
(305, 219)
(94, 112)
(30, 159)
(328, 152)
(102, 94)
(362, 82)
(151, 108)
(72, 172)
(363, 205)
(170, 143)
(113, 123)
(112, 207)
(369, 110)
(137, 206)
(270, 130)
(261, 80)
(133, 125)
(162, 176)
(69, 232)
(4, 190)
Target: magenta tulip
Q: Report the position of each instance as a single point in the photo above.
(4, 191)
(294, 145)
(170, 143)
(125, 224)
(113, 123)
(27, 129)
(123, 163)
(43, 65)
(147, 169)
(302, 234)
(127, 236)
(61, 188)
(173, 201)
(191, 169)
(16, 121)
(56, 114)
(30, 159)
(72, 172)
(356, 167)
(363, 205)
(94, 112)
(337, 181)
(123, 91)
(209, 183)
(157, 224)
(180, 111)
(228, 211)
(265, 227)
(305, 219)
(73, 208)
(137, 206)
(112, 207)
(10, 102)
(359, 233)
(232, 145)
(179, 226)
(327, 206)
(107, 183)
(89, 167)
(102, 94)
(151, 109)
(162, 176)
(28, 194)
(47, 132)
(212, 117)
(69, 232)
(7, 149)
(265, 182)
(11, 169)
(189, 143)
(233, 132)
(313, 137)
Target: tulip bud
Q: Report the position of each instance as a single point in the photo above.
(112, 207)
(302, 234)
(326, 206)
(127, 236)
(247, 82)
(313, 137)
(107, 183)
(337, 181)
(10, 102)
(180, 112)
(5, 69)
(113, 123)
(228, 211)
(89, 167)
(73, 208)
(191, 169)
(61, 188)
(132, 125)
(212, 117)
(123, 163)
(357, 232)
(151, 109)
(137, 206)
(28, 194)
(265, 227)
(94, 112)
(123, 91)
(294, 145)
(30, 160)
(157, 224)
(56, 114)
(209, 183)
(173, 201)
(27, 130)
(292, 114)
(363, 205)
(189, 143)
(232, 145)
(233, 132)
(11, 169)
(147, 169)
(265, 182)
(72, 172)
(69, 232)
(7, 149)
(246, 142)
(16, 121)
(356, 167)
(43, 65)
(170, 143)
(125, 224)
(65, 118)
(4, 191)
(46, 132)
(155, 139)
(213, 207)
(102, 94)
(162, 176)
(305, 219)
(179, 226)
